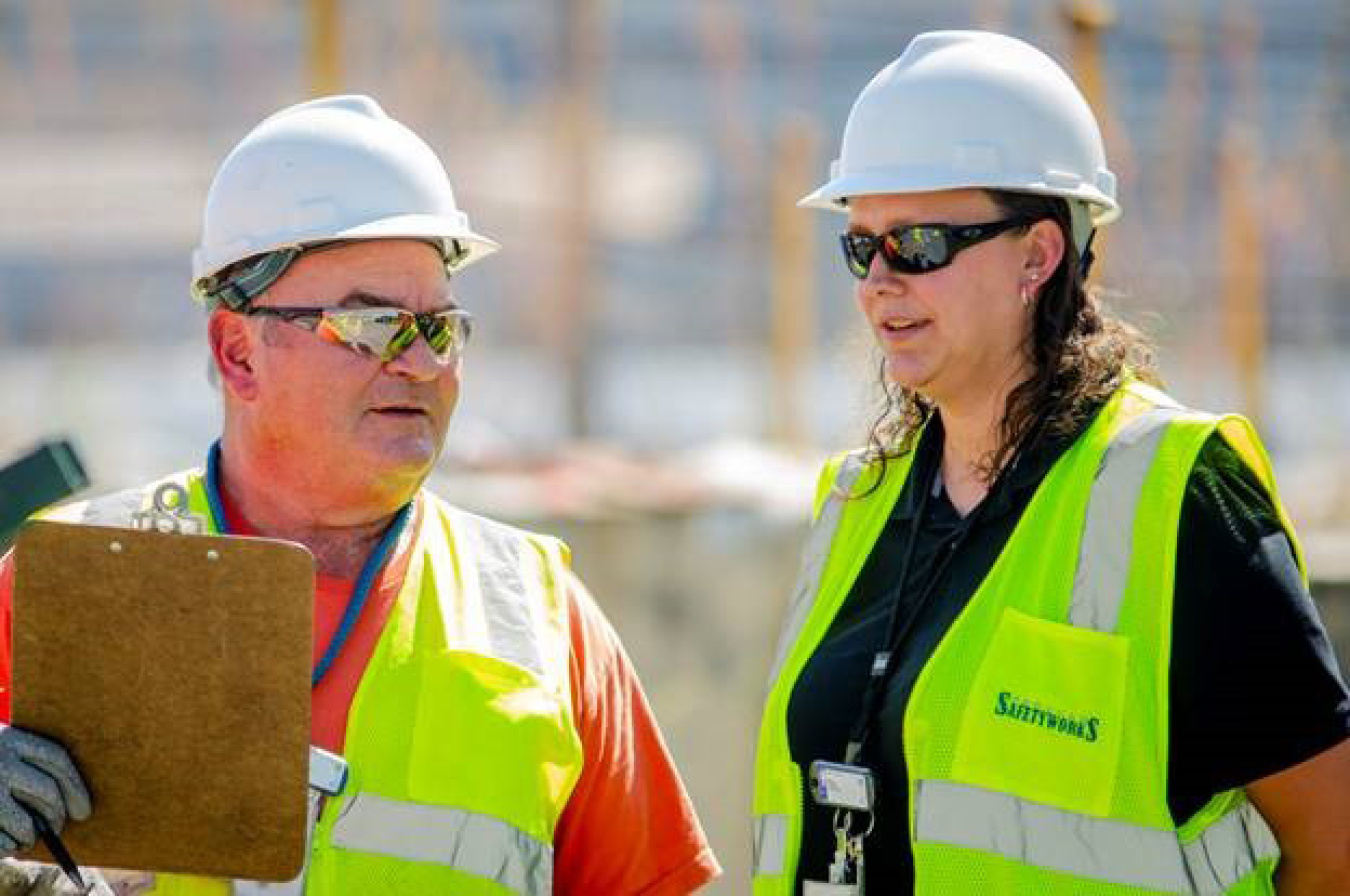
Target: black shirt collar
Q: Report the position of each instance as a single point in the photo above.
(1028, 469)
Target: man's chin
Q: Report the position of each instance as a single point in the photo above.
(410, 457)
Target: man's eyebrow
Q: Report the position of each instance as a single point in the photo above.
(361, 299)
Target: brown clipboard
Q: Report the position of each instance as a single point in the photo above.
(176, 670)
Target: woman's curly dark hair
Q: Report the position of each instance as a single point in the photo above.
(1079, 352)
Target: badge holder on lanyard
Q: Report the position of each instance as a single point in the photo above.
(849, 788)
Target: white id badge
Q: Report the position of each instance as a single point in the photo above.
(840, 786)
(815, 888)
(848, 789)
(327, 772)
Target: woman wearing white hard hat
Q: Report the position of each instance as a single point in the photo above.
(1052, 633)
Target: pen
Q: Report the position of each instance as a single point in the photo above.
(58, 851)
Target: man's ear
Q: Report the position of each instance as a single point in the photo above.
(232, 346)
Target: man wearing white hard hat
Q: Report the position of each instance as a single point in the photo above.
(1052, 633)
(507, 731)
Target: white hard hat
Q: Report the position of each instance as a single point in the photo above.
(973, 109)
(335, 168)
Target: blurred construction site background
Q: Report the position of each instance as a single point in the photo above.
(666, 347)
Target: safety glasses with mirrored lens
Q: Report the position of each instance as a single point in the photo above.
(383, 333)
(919, 248)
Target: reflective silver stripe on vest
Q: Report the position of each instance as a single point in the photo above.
(500, 552)
(1097, 848)
(816, 552)
(109, 510)
(770, 844)
(1217, 860)
(1105, 549)
(465, 841)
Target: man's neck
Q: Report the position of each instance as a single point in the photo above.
(340, 553)
(341, 542)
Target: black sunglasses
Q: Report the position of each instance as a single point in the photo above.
(383, 333)
(919, 248)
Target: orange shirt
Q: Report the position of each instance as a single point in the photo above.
(628, 828)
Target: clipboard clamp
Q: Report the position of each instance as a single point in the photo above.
(168, 513)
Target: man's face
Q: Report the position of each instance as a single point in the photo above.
(347, 422)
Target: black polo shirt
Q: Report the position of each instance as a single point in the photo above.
(1254, 686)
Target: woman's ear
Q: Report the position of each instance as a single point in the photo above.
(1045, 251)
(232, 347)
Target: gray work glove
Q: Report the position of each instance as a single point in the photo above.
(36, 879)
(36, 774)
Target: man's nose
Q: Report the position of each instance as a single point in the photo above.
(418, 362)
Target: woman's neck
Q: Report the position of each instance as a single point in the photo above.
(972, 434)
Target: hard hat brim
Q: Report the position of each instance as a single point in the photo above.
(832, 196)
(412, 227)
(423, 227)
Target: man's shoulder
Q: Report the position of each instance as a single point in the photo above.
(113, 508)
(492, 529)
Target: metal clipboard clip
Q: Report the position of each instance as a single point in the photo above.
(168, 513)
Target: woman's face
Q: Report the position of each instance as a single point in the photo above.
(958, 334)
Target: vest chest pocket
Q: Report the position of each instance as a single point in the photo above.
(489, 736)
(1045, 714)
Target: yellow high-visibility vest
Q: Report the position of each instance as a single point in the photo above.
(461, 740)
(1036, 735)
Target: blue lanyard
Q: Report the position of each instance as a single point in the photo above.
(364, 581)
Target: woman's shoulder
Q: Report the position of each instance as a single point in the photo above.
(1226, 497)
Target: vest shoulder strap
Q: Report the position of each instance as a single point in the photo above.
(520, 580)
(116, 508)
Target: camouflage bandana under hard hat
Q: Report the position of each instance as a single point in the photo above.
(237, 286)
(240, 284)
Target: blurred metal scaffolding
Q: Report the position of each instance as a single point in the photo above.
(325, 46)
